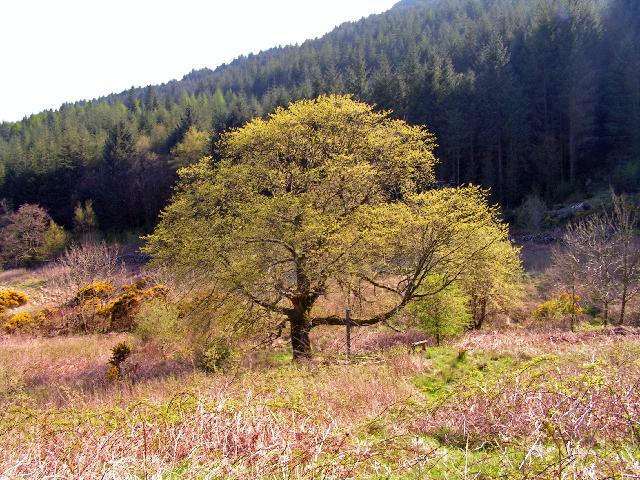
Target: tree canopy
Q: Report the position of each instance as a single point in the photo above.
(327, 197)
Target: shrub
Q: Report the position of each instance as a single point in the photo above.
(212, 356)
(559, 308)
(84, 218)
(158, 320)
(119, 354)
(18, 322)
(29, 236)
(443, 313)
(121, 310)
(54, 241)
(93, 290)
(530, 214)
(82, 265)
(11, 299)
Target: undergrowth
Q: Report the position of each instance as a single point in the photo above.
(563, 411)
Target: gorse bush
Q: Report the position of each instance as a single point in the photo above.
(559, 308)
(11, 299)
(92, 291)
(119, 354)
(18, 322)
(121, 310)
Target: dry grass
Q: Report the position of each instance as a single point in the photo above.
(517, 405)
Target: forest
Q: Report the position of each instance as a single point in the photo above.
(525, 97)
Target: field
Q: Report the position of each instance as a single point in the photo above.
(509, 404)
(517, 399)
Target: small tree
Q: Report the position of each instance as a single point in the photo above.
(600, 256)
(443, 312)
(531, 213)
(85, 221)
(601, 259)
(625, 223)
(195, 145)
(54, 241)
(492, 287)
(29, 236)
(569, 268)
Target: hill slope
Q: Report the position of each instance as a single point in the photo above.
(524, 96)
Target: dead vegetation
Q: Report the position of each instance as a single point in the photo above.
(512, 404)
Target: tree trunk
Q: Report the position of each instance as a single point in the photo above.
(479, 316)
(606, 313)
(300, 320)
(623, 302)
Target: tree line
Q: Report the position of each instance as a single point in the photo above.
(524, 97)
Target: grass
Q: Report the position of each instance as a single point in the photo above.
(491, 405)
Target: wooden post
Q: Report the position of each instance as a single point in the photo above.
(348, 324)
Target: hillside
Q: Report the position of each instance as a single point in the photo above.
(324, 293)
(523, 96)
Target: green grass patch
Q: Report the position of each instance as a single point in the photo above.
(453, 368)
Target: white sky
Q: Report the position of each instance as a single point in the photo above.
(56, 51)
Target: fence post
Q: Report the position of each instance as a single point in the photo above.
(348, 324)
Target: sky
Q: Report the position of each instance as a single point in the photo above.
(56, 51)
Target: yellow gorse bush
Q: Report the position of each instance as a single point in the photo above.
(558, 307)
(18, 321)
(12, 299)
(93, 291)
(124, 305)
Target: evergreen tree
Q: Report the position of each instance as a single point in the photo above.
(112, 199)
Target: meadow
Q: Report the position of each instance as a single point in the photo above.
(510, 403)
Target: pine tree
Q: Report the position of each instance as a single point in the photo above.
(112, 199)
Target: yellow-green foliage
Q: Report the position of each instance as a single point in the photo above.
(443, 311)
(192, 148)
(18, 321)
(328, 192)
(158, 320)
(54, 241)
(113, 373)
(558, 307)
(94, 290)
(213, 354)
(11, 299)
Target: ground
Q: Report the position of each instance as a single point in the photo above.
(508, 404)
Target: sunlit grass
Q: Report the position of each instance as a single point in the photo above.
(555, 408)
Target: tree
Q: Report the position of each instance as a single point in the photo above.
(29, 235)
(625, 222)
(84, 218)
(320, 198)
(443, 314)
(491, 286)
(569, 266)
(193, 147)
(591, 259)
(187, 121)
(112, 202)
